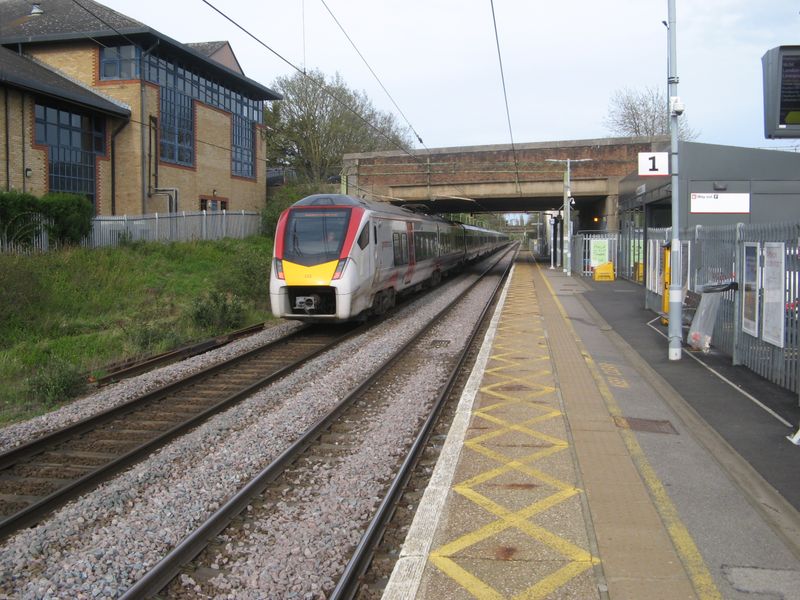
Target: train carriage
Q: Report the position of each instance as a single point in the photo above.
(337, 257)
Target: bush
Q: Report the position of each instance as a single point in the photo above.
(217, 311)
(70, 217)
(17, 213)
(56, 382)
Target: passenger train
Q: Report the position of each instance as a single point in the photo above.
(338, 258)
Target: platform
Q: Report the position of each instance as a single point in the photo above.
(574, 469)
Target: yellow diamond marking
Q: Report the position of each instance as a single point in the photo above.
(532, 390)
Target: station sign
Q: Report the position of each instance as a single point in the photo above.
(719, 203)
(653, 164)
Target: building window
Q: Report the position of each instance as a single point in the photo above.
(242, 155)
(119, 62)
(179, 86)
(73, 140)
(177, 127)
(213, 205)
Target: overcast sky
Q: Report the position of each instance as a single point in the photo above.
(563, 60)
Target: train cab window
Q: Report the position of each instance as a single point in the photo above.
(315, 236)
(363, 238)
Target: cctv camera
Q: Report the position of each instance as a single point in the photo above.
(676, 107)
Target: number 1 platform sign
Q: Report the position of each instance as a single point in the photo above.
(653, 164)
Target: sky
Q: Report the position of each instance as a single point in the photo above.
(563, 60)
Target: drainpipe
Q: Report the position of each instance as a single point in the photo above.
(114, 166)
(24, 155)
(145, 183)
(8, 143)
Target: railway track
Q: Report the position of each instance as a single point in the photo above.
(327, 445)
(44, 474)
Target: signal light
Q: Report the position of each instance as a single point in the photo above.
(337, 274)
(279, 268)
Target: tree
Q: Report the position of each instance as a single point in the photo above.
(643, 113)
(318, 121)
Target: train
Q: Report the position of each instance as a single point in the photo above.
(341, 258)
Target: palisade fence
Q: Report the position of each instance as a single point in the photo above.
(158, 227)
(758, 326)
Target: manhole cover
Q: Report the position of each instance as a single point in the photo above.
(648, 425)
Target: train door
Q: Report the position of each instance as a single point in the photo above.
(383, 252)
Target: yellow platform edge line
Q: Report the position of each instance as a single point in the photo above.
(690, 555)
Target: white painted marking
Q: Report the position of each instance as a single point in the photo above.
(725, 379)
(407, 573)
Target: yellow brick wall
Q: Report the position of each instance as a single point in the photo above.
(18, 130)
(212, 169)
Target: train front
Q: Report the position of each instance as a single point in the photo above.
(310, 279)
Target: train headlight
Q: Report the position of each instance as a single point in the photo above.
(279, 268)
(337, 274)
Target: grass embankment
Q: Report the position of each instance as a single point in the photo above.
(69, 313)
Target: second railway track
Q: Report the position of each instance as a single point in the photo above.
(43, 474)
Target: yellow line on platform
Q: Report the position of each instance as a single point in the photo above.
(690, 555)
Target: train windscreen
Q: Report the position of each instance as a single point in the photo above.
(315, 236)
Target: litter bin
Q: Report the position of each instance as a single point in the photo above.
(705, 316)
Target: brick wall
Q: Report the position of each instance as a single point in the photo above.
(22, 152)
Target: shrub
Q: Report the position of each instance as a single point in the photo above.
(70, 216)
(217, 311)
(17, 217)
(56, 382)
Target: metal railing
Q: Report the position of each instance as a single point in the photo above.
(758, 326)
(158, 227)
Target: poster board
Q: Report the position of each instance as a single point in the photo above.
(750, 289)
(773, 322)
(598, 252)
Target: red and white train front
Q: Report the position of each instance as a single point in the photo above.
(317, 260)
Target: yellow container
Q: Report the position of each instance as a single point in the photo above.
(604, 272)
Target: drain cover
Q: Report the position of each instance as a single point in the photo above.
(648, 425)
(440, 343)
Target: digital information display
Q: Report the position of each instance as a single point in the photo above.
(781, 67)
(789, 108)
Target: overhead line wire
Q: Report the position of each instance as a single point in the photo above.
(372, 71)
(505, 96)
(322, 87)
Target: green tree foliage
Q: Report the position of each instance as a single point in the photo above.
(643, 113)
(313, 126)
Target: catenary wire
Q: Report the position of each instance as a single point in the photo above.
(364, 60)
(505, 96)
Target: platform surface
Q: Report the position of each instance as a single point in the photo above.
(574, 469)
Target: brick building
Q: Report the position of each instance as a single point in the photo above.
(94, 102)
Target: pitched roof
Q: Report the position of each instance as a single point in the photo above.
(24, 73)
(207, 48)
(64, 20)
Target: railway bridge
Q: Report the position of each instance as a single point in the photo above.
(499, 178)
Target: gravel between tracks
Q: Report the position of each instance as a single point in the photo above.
(97, 546)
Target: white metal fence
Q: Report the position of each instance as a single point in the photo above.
(170, 227)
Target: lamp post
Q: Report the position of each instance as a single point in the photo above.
(676, 108)
(567, 234)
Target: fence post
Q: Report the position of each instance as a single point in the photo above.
(203, 224)
(738, 271)
(157, 236)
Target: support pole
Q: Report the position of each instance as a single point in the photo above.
(675, 330)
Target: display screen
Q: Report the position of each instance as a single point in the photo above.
(789, 111)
